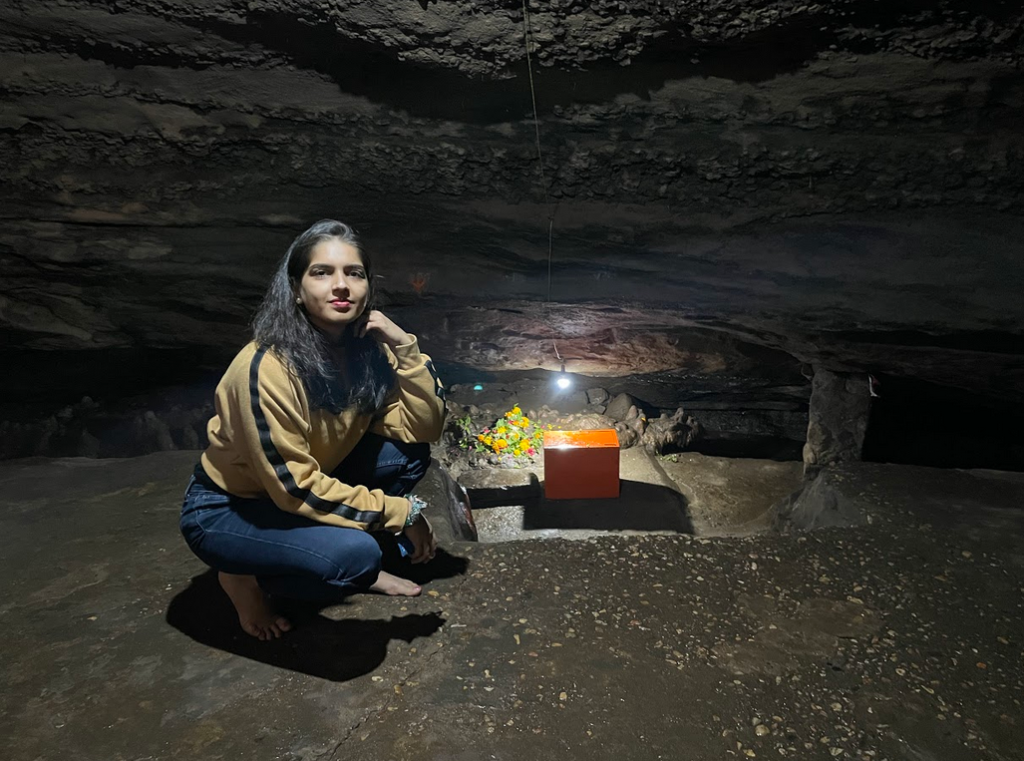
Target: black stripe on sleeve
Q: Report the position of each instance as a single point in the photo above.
(438, 387)
(281, 469)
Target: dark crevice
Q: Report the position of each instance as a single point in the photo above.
(370, 71)
(983, 341)
(104, 374)
(918, 423)
(123, 57)
(366, 70)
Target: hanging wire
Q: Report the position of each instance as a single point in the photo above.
(527, 38)
(551, 225)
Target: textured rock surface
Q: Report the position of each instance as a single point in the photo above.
(841, 183)
(837, 420)
(731, 497)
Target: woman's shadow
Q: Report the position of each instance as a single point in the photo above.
(318, 646)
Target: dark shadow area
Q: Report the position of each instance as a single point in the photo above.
(985, 341)
(62, 376)
(639, 507)
(443, 566)
(716, 444)
(918, 423)
(318, 646)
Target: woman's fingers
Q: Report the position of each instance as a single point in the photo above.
(421, 551)
(431, 548)
(367, 325)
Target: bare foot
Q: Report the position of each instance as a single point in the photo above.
(254, 612)
(388, 584)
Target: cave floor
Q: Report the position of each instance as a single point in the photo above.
(899, 639)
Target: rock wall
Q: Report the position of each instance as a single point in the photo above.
(841, 183)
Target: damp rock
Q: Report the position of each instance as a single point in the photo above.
(676, 431)
(838, 419)
(618, 408)
(153, 433)
(88, 445)
(627, 435)
(585, 421)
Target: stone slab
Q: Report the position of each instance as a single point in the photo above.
(490, 487)
(731, 497)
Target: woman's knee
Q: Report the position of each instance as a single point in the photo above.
(355, 558)
(418, 460)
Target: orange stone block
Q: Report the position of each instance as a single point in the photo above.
(581, 464)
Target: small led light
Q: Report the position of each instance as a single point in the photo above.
(563, 381)
(478, 387)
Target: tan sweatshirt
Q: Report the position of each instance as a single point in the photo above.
(265, 440)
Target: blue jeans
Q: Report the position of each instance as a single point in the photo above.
(289, 555)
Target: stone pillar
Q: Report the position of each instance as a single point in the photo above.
(838, 419)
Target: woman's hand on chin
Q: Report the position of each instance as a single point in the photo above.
(377, 325)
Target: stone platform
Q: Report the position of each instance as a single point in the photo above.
(683, 493)
(897, 637)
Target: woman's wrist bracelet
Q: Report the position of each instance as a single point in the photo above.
(416, 506)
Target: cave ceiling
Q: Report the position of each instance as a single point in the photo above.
(840, 182)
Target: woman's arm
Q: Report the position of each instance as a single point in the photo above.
(276, 428)
(416, 411)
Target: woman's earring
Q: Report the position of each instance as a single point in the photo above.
(298, 301)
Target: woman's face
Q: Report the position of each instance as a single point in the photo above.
(334, 288)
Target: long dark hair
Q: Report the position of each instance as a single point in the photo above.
(282, 325)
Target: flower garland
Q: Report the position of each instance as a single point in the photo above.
(513, 437)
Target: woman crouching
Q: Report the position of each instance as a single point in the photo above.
(321, 431)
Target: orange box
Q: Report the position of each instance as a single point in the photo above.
(581, 464)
